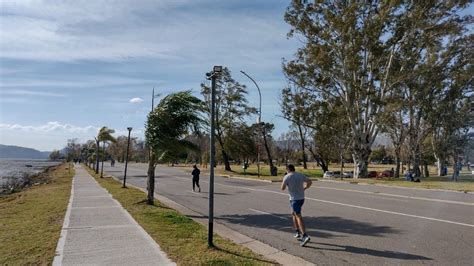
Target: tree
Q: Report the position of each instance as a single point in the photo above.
(358, 52)
(73, 149)
(166, 128)
(296, 107)
(231, 108)
(104, 135)
(264, 131)
(55, 155)
(393, 123)
(241, 142)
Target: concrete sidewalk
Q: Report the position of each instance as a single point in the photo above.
(97, 230)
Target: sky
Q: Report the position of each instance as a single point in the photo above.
(68, 68)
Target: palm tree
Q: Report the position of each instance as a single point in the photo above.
(104, 135)
(166, 127)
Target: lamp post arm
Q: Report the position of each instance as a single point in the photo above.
(259, 94)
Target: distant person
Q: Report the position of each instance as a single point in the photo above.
(409, 175)
(297, 183)
(196, 172)
(112, 162)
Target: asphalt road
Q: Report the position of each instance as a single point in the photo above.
(348, 223)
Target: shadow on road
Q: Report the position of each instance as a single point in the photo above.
(366, 251)
(314, 225)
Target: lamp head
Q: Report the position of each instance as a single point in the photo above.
(129, 128)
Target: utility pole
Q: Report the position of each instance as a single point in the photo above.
(212, 76)
(126, 158)
(153, 99)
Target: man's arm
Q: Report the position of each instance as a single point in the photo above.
(308, 183)
(283, 184)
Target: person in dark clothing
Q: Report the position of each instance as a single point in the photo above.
(195, 174)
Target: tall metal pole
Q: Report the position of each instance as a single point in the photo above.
(126, 158)
(103, 158)
(259, 120)
(153, 99)
(212, 161)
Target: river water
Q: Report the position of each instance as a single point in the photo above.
(15, 168)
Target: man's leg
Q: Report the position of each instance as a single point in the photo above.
(300, 223)
(194, 183)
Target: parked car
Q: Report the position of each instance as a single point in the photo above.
(332, 174)
(386, 173)
(348, 174)
(372, 174)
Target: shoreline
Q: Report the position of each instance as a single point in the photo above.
(14, 184)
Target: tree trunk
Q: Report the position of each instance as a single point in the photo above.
(427, 170)
(342, 165)
(226, 161)
(300, 130)
(361, 155)
(397, 167)
(224, 154)
(416, 153)
(440, 164)
(151, 180)
(269, 155)
(97, 156)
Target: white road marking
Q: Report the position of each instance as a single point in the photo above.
(262, 212)
(346, 205)
(398, 196)
(349, 205)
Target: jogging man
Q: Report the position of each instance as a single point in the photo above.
(195, 174)
(297, 183)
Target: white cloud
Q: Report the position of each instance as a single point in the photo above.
(31, 93)
(120, 30)
(49, 127)
(136, 100)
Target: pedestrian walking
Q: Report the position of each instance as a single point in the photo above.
(297, 183)
(195, 174)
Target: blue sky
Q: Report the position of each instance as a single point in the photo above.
(69, 67)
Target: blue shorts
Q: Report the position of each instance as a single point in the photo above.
(296, 205)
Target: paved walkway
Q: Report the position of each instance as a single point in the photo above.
(98, 231)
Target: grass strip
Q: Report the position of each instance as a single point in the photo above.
(465, 182)
(31, 220)
(184, 240)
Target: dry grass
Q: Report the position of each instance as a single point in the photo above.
(31, 220)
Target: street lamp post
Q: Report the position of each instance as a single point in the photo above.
(259, 119)
(126, 158)
(212, 76)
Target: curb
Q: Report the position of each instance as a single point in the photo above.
(254, 245)
(250, 179)
(390, 186)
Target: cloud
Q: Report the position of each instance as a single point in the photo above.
(167, 30)
(136, 100)
(50, 127)
(31, 93)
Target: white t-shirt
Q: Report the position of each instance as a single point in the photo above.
(295, 183)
